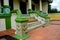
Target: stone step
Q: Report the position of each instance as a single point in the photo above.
(34, 25)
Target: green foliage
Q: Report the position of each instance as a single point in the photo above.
(52, 10)
(1, 7)
(14, 11)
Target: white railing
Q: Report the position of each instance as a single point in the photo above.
(33, 25)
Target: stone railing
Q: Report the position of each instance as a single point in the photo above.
(33, 25)
(21, 28)
(29, 21)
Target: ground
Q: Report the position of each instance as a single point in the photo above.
(51, 32)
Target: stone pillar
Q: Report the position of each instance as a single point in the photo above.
(6, 2)
(21, 26)
(6, 10)
(30, 4)
(16, 4)
(40, 5)
(45, 7)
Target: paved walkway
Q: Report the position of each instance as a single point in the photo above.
(51, 32)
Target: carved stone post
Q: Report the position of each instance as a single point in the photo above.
(21, 26)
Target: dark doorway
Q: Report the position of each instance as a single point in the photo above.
(33, 7)
(11, 4)
(2, 4)
(23, 7)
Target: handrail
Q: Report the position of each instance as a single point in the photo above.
(20, 17)
(40, 13)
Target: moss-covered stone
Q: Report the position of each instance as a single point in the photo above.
(21, 20)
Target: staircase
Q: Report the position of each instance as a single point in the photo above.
(41, 21)
(32, 25)
(35, 19)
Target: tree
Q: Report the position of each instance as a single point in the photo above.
(49, 8)
(54, 10)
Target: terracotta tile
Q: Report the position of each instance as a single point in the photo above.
(7, 32)
(51, 32)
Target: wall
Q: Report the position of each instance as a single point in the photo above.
(13, 22)
(45, 7)
(2, 24)
(54, 16)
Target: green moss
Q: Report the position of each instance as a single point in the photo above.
(20, 17)
(43, 15)
(21, 20)
(14, 11)
(40, 13)
(8, 22)
(6, 6)
(21, 38)
(1, 7)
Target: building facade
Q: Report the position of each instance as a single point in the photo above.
(24, 5)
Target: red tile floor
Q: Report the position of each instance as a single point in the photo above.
(51, 32)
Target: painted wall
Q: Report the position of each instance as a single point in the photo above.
(2, 24)
(16, 4)
(13, 22)
(45, 7)
(54, 16)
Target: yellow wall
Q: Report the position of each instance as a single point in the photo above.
(54, 16)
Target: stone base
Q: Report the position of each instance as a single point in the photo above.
(21, 38)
